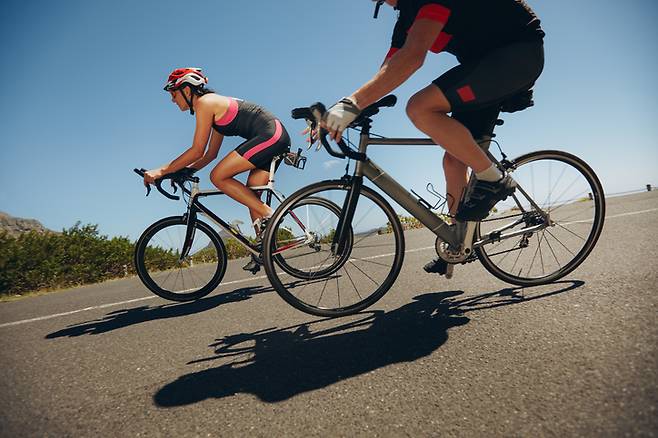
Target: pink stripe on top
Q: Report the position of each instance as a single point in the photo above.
(259, 147)
(230, 113)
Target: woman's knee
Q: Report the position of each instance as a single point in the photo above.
(219, 177)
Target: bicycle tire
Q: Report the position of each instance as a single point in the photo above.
(148, 276)
(597, 198)
(339, 310)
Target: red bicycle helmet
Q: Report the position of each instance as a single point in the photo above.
(187, 75)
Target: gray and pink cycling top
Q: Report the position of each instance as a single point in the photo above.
(244, 119)
(265, 135)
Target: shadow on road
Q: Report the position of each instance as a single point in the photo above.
(279, 363)
(137, 315)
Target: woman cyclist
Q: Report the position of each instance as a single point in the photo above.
(218, 116)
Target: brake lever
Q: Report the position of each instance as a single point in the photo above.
(141, 173)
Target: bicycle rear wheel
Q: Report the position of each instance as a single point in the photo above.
(159, 265)
(336, 284)
(303, 239)
(568, 190)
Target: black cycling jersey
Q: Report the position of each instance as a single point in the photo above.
(471, 27)
(265, 135)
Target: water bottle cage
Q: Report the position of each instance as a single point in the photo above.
(437, 205)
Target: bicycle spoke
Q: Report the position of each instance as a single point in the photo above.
(360, 270)
(353, 285)
(560, 242)
(566, 190)
(517, 258)
(369, 261)
(551, 248)
(569, 231)
(322, 293)
(553, 186)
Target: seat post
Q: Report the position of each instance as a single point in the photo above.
(270, 181)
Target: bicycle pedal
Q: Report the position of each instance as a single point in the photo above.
(449, 270)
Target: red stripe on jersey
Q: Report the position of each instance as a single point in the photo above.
(466, 93)
(391, 52)
(441, 42)
(434, 12)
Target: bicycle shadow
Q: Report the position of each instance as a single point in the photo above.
(126, 317)
(278, 363)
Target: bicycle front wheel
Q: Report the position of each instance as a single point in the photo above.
(303, 239)
(160, 267)
(333, 284)
(561, 203)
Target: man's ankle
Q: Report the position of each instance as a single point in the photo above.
(492, 174)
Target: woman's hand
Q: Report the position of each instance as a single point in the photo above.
(151, 175)
(311, 136)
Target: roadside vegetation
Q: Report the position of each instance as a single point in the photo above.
(35, 261)
(41, 261)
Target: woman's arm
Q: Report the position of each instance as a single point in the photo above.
(204, 120)
(211, 153)
(205, 113)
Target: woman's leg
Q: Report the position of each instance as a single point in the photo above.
(222, 177)
(257, 177)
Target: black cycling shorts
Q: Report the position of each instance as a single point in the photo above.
(475, 89)
(273, 140)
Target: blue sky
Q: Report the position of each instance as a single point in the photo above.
(82, 102)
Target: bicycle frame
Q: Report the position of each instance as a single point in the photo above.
(454, 235)
(459, 236)
(195, 206)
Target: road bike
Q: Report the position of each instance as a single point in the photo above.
(539, 234)
(182, 258)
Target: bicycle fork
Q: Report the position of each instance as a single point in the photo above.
(347, 213)
(191, 224)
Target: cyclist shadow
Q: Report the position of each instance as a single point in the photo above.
(126, 317)
(277, 364)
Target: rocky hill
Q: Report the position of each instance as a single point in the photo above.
(16, 225)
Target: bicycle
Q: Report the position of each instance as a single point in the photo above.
(541, 233)
(182, 258)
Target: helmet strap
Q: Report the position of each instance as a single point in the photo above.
(189, 102)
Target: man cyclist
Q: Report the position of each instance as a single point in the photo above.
(499, 46)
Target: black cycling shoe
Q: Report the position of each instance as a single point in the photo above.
(254, 265)
(436, 266)
(483, 197)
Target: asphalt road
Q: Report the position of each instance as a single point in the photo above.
(467, 357)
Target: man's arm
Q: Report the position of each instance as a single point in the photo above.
(402, 64)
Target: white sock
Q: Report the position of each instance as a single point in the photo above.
(492, 174)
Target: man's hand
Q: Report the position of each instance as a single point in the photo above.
(338, 117)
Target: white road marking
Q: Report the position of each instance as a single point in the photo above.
(614, 216)
(244, 280)
(102, 306)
